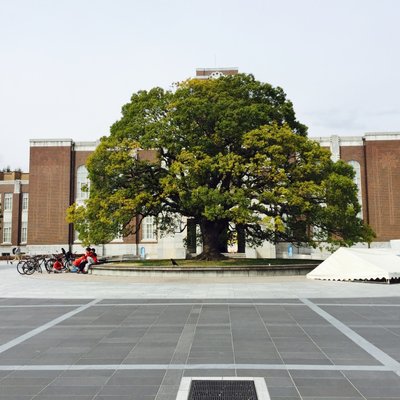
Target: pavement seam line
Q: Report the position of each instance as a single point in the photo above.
(199, 303)
(42, 328)
(367, 346)
(303, 367)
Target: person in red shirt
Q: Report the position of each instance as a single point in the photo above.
(57, 266)
(86, 261)
(91, 259)
(80, 262)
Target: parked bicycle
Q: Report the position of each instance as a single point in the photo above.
(32, 264)
(50, 263)
(62, 262)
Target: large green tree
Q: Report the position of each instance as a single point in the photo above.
(230, 156)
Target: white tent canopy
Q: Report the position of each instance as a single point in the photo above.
(359, 264)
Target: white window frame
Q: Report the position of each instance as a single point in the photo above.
(24, 231)
(81, 182)
(7, 232)
(25, 201)
(8, 200)
(149, 229)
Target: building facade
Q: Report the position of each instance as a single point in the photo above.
(33, 206)
(376, 160)
(14, 200)
(58, 176)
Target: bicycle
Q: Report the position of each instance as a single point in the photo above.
(29, 265)
(62, 262)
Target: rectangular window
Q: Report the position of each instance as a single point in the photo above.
(8, 198)
(25, 201)
(7, 232)
(148, 228)
(24, 232)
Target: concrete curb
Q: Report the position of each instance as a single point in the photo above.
(171, 271)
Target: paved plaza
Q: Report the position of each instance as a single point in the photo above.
(106, 338)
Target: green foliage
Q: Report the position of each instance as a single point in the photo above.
(228, 151)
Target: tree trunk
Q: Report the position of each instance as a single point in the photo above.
(241, 238)
(191, 236)
(215, 239)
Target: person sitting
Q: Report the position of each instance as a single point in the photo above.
(80, 262)
(91, 259)
(57, 266)
(83, 263)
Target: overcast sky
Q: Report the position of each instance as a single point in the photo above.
(67, 66)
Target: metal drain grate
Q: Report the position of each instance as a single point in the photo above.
(222, 390)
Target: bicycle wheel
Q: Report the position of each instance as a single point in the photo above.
(20, 267)
(28, 268)
(67, 266)
(48, 264)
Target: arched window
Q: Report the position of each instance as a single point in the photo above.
(357, 180)
(82, 183)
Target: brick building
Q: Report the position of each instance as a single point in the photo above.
(34, 205)
(376, 160)
(57, 177)
(14, 200)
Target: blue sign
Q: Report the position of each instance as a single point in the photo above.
(290, 250)
(142, 253)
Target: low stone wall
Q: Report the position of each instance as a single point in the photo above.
(268, 270)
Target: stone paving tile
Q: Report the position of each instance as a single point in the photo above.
(265, 373)
(41, 396)
(285, 398)
(137, 377)
(304, 315)
(368, 315)
(74, 390)
(170, 390)
(13, 390)
(359, 300)
(280, 392)
(44, 301)
(375, 384)
(129, 397)
(139, 391)
(383, 338)
(279, 382)
(9, 333)
(104, 350)
(48, 375)
(80, 381)
(90, 373)
(26, 381)
(6, 397)
(309, 387)
(315, 374)
(165, 396)
(334, 398)
(386, 398)
(208, 372)
(172, 377)
(31, 317)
